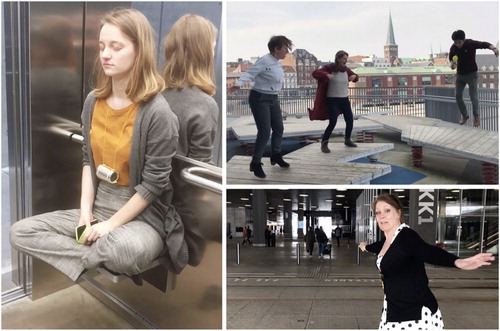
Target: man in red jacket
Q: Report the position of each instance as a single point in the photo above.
(464, 51)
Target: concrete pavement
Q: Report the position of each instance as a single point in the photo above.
(271, 289)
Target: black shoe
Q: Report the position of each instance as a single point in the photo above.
(256, 168)
(324, 146)
(349, 143)
(137, 279)
(277, 158)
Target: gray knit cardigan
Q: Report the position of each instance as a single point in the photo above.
(197, 113)
(154, 144)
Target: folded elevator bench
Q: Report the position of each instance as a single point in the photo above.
(156, 275)
(200, 212)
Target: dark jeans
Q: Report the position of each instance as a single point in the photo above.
(266, 112)
(310, 249)
(471, 80)
(321, 248)
(334, 105)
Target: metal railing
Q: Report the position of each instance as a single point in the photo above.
(473, 241)
(440, 103)
(364, 100)
(422, 101)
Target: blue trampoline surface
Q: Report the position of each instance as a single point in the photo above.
(398, 175)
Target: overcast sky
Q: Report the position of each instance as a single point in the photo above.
(358, 27)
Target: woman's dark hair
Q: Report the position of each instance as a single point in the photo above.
(392, 200)
(458, 35)
(279, 42)
(339, 55)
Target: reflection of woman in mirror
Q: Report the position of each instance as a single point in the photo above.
(189, 77)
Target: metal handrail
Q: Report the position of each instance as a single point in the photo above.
(195, 175)
(71, 135)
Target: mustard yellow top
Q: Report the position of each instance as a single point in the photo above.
(111, 137)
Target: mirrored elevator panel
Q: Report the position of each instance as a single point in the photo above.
(56, 34)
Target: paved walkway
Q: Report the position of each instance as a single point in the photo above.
(270, 290)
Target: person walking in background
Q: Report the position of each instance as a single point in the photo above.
(322, 240)
(267, 73)
(463, 57)
(310, 238)
(408, 302)
(190, 80)
(332, 97)
(267, 236)
(249, 235)
(337, 233)
(245, 234)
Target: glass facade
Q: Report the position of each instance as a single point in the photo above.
(469, 221)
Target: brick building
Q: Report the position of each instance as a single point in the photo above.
(404, 76)
(234, 70)
(306, 63)
(487, 70)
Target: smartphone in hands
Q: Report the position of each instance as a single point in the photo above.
(81, 230)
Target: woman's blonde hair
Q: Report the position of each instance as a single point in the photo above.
(145, 81)
(189, 57)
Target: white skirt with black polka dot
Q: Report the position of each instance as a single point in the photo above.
(429, 321)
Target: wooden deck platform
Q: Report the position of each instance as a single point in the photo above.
(304, 173)
(244, 128)
(399, 122)
(451, 138)
(444, 136)
(309, 166)
(472, 143)
(339, 152)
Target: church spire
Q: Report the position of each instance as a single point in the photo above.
(390, 33)
(391, 48)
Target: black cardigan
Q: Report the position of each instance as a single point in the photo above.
(403, 272)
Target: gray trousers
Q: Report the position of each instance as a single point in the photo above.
(471, 80)
(50, 237)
